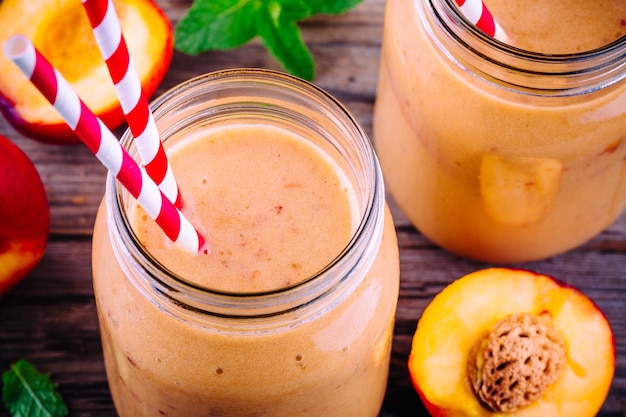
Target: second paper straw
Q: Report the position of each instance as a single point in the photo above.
(477, 13)
(102, 143)
(108, 33)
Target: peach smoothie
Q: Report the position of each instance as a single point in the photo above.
(271, 321)
(496, 153)
(254, 191)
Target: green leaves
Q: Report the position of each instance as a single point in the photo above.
(28, 393)
(217, 24)
(282, 38)
(229, 24)
(332, 6)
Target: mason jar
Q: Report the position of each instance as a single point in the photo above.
(187, 344)
(504, 153)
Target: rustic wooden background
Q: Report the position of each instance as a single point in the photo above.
(50, 318)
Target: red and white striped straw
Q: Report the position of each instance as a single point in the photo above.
(102, 143)
(108, 33)
(478, 14)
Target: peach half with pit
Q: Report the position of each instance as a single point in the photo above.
(503, 341)
(60, 30)
(24, 215)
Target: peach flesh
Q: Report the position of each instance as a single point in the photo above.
(70, 46)
(466, 310)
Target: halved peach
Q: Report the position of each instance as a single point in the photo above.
(61, 31)
(501, 341)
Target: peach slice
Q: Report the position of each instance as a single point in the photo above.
(61, 31)
(518, 190)
(503, 341)
(24, 215)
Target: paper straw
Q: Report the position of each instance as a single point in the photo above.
(102, 143)
(108, 33)
(477, 13)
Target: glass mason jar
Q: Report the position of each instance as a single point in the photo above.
(493, 152)
(320, 347)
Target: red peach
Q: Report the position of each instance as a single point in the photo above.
(24, 215)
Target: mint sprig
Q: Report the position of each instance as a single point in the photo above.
(229, 24)
(26, 392)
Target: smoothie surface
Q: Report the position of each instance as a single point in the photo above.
(273, 208)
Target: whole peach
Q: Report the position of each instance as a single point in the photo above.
(24, 215)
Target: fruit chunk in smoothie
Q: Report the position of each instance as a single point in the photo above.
(518, 190)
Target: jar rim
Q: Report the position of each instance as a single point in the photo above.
(517, 69)
(459, 19)
(217, 302)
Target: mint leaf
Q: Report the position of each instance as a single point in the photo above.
(216, 24)
(282, 37)
(332, 6)
(228, 24)
(28, 393)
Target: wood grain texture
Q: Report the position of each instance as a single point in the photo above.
(50, 318)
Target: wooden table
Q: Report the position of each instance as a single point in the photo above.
(50, 318)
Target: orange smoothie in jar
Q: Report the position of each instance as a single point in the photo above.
(253, 192)
(502, 154)
(281, 317)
